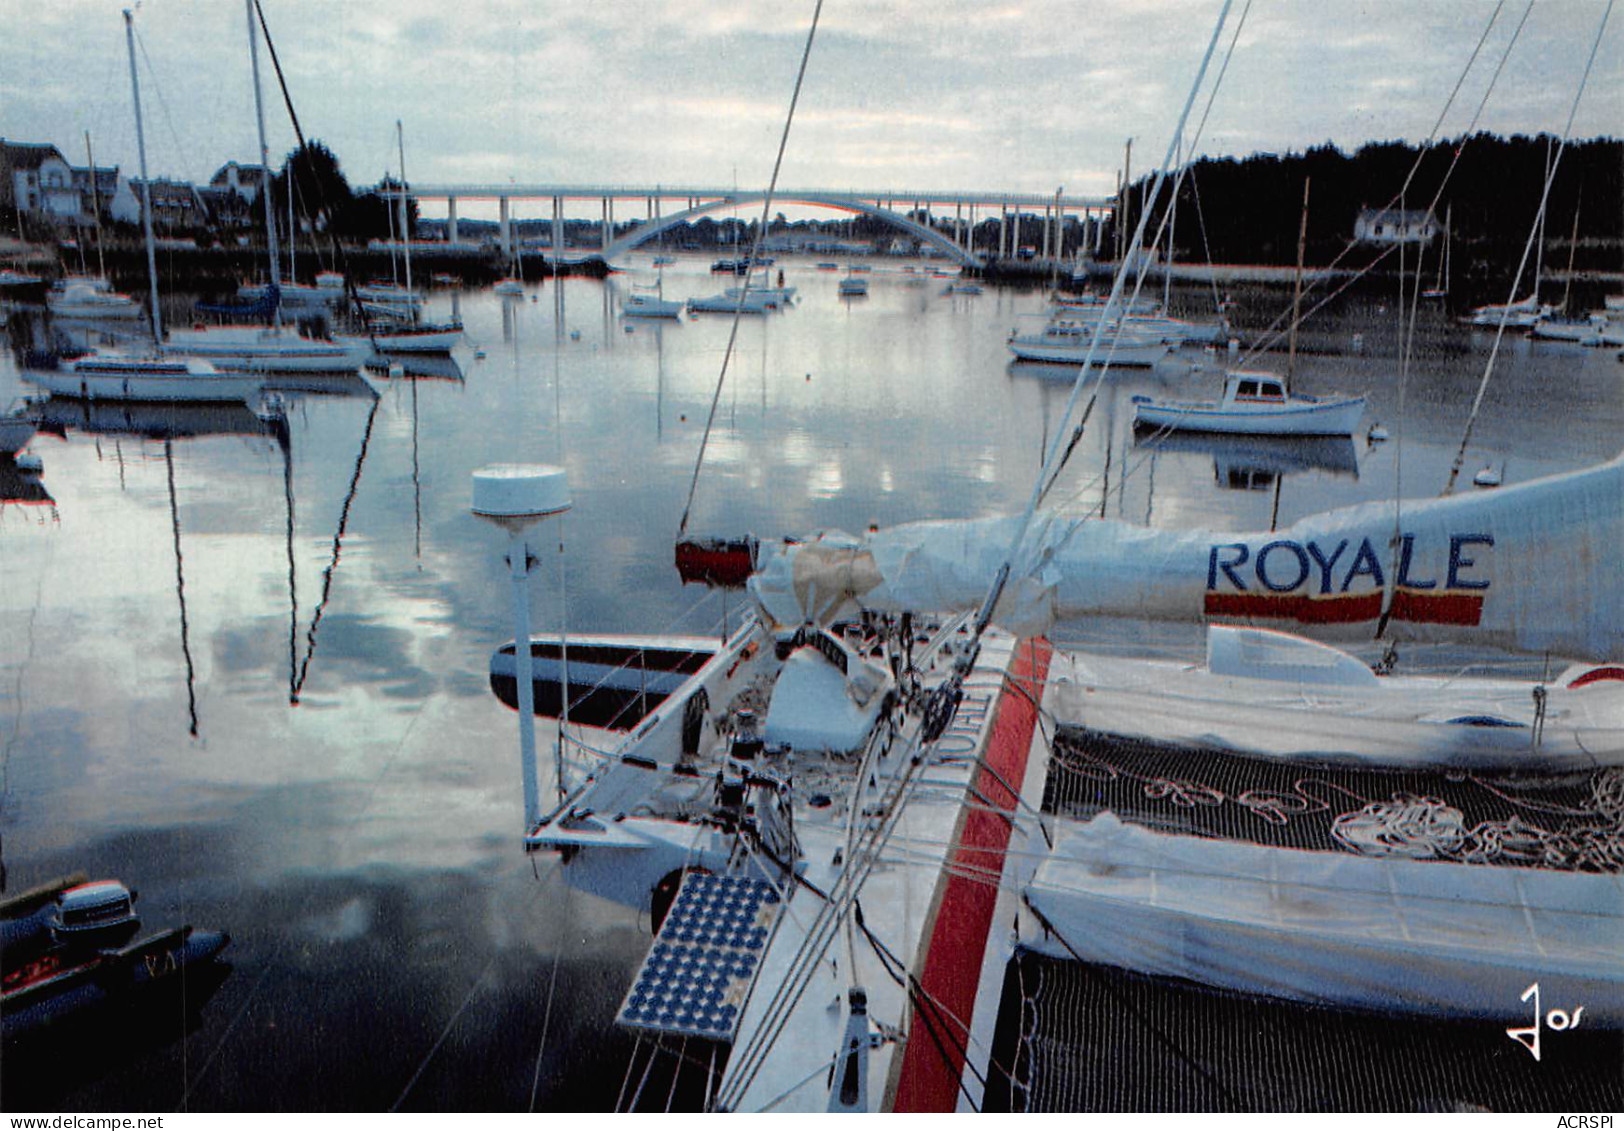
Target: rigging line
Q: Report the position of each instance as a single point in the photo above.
(322, 205)
(547, 1016)
(180, 587)
(1271, 336)
(1113, 305)
(163, 103)
(659, 1047)
(921, 998)
(627, 1078)
(847, 887)
(1539, 221)
(755, 249)
(445, 1032)
(338, 545)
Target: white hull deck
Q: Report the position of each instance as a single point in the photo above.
(1072, 353)
(1339, 417)
(109, 378)
(256, 350)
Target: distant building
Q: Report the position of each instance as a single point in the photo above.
(1395, 225)
(175, 204)
(36, 179)
(244, 180)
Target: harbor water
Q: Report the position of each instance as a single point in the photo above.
(245, 666)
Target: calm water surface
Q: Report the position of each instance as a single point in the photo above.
(190, 571)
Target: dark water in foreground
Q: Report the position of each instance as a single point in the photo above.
(391, 944)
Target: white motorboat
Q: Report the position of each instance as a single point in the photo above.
(1067, 341)
(755, 302)
(1256, 404)
(84, 300)
(1523, 314)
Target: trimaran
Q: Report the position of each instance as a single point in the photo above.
(849, 819)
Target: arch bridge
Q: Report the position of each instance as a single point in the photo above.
(896, 208)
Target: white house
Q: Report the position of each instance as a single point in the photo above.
(1395, 225)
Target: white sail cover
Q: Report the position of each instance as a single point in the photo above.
(1538, 567)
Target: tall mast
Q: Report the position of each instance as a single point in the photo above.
(405, 231)
(293, 240)
(1297, 288)
(146, 186)
(265, 163)
(95, 206)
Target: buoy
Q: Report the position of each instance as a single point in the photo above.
(682, 416)
(575, 335)
(479, 355)
(809, 376)
(1488, 477)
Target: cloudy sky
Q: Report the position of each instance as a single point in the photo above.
(1025, 95)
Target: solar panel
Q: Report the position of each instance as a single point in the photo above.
(695, 978)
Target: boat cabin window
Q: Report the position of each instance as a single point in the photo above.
(1258, 388)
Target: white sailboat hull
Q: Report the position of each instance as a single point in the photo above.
(1137, 354)
(133, 379)
(251, 349)
(1338, 417)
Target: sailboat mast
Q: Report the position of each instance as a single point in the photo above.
(405, 231)
(146, 185)
(293, 241)
(265, 162)
(1573, 245)
(95, 206)
(1297, 287)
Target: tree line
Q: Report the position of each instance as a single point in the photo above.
(1248, 210)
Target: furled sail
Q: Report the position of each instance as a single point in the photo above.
(1538, 567)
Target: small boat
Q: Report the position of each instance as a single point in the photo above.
(729, 301)
(67, 949)
(261, 349)
(131, 378)
(650, 306)
(1259, 405)
(1067, 341)
(1594, 330)
(1255, 404)
(423, 337)
(962, 289)
(664, 260)
(1519, 315)
(853, 286)
(84, 300)
(509, 287)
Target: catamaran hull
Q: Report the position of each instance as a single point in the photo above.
(1327, 418)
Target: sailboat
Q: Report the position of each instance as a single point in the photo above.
(1440, 289)
(119, 376)
(261, 349)
(403, 332)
